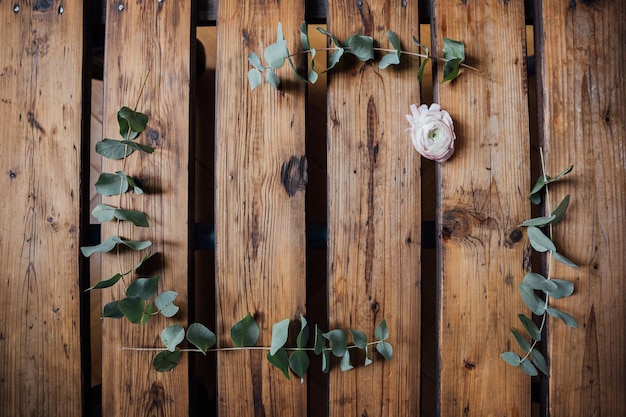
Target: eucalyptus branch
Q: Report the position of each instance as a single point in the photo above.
(533, 360)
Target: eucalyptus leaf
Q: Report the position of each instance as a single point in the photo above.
(420, 72)
(539, 282)
(172, 336)
(360, 46)
(359, 338)
(144, 288)
(276, 53)
(280, 333)
(138, 146)
(530, 326)
(338, 342)
(528, 368)
(345, 364)
(138, 218)
(325, 361)
(394, 40)
(303, 335)
(136, 188)
(368, 360)
(111, 242)
(320, 341)
(385, 349)
(333, 59)
(511, 358)
(451, 69)
(201, 337)
(254, 78)
(103, 212)
(148, 313)
(539, 221)
(128, 118)
(539, 184)
(245, 332)
(381, 332)
(564, 289)
(453, 49)
(295, 71)
(165, 303)
(567, 319)
(132, 308)
(280, 360)
(304, 36)
(166, 361)
(540, 361)
(562, 259)
(106, 283)
(299, 363)
(112, 184)
(539, 241)
(562, 173)
(559, 212)
(272, 79)
(532, 301)
(113, 149)
(391, 58)
(521, 341)
(255, 61)
(112, 310)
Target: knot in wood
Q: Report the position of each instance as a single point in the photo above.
(294, 174)
(455, 223)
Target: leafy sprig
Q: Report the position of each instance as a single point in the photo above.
(532, 361)
(360, 46)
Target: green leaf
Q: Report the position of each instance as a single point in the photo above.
(132, 307)
(562, 173)
(532, 301)
(567, 319)
(528, 368)
(112, 184)
(295, 71)
(381, 332)
(276, 53)
(110, 243)
(166, 360)
(255, 61)
(112, 310)
(304, 36)
(540, 362)
(113, 149)
(333, 58)
(254, 78)
(245, 332)
(299, 363)
(511, 358)
(359, 338)
(394, 40)
(144, 288)
(313, 75)
(538, 221)
(103, 212)
(539, 241)
(165, 303)
(138, 146)
(320, 341)
(562, 259)
(360, 46)
(148, 313)
(325, 361)
(106, 283)
(201, 337)
(338, 342)
(345, 364)
(272, 79)
(303, 336)
(453, 49)
(138, 218)
(451, 69)
(559, 212)
(172, 336)
(391, 58)
(385, 349)
(280, 332)
(127, 118)
(420, 72)
(530, 326)
(564, 289)
(521, 341)
(368, 360)
(136, 189)
(281, 361)
(539, 184)
(539, 282)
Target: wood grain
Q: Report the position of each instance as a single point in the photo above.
(153, 36)
(483, 197)
(259, 228)
(40, 151)
(582, 57)
(374, 214)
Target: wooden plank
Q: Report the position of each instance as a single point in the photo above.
(374, 217)
(484, 196)
(153, 36)
(260, 229)
(582, 57)
(40, 160)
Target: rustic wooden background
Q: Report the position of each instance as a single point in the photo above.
(449, 293)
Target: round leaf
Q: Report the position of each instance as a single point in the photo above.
(338, 342)
(280, 332)
(166, 360)
(144, 288)
(245, 332)
(172, 336)
(299, 363)
(201, 337)
(385, 349)
(165, 303)
(132, 307)
(281, 361)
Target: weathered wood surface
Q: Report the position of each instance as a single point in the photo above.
(374, 213)
(484, 196)
(40, 163)
(153, 36)
(259, 228)
(582, 57)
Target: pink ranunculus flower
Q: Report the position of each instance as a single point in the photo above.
(432, 131)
